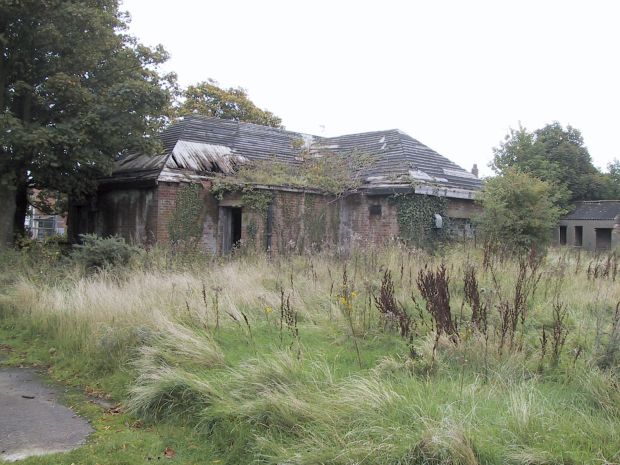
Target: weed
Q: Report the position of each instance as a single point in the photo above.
(347, 294)
(479, 317)
(433, 286)
(392, 313)
(288, 317)
(560, 330)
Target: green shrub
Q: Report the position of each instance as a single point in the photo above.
(518, 212)
(98, 253)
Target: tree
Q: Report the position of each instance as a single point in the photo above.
(207, 98)
(75, 91)
(611, 181)
(553, 154)
(519, 211)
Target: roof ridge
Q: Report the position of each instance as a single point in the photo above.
(597, 201)
(384, 131)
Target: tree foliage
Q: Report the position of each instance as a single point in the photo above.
(519, 211)
(75, 91)
(552, 154)
(611, 180)
(208, 99)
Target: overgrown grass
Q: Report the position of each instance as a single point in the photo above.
(294, 360)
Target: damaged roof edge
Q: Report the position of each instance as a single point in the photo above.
(387, 189)
(203, 157)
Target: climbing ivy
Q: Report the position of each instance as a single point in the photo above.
(251, 197)
(185, 224)
(257, 200)
(315, 221)
(252, 231)
(416, 219)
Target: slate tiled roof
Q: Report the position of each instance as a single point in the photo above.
(399, 157)
(595, 210)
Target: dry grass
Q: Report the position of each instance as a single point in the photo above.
(204, 345)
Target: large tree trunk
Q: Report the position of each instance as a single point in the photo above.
(21, 208)
(7, 213)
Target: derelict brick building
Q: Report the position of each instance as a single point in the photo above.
(140, 198)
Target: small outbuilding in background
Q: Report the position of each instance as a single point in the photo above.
(593, 225)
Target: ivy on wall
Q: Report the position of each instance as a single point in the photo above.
(251, 197)
(256, 200)
(416, 219)
(186, 224)
(315, 221)
(252, 232)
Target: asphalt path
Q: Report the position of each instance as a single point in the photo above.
(32, 421)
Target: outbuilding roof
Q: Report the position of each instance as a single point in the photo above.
(595, 210)
(204, 145)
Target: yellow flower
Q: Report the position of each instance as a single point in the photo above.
(268, 310)
(343, 300)
(354, 294)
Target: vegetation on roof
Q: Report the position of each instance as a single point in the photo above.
(332, 174)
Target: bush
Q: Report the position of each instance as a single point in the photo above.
(98, 253)
(518, 212)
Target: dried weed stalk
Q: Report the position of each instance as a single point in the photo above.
(513, 309)
(392, 313)
(433, 286)
(471, 290)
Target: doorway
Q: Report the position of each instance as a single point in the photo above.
(603, 238)
(578, 236)
(231, 227)
(562, 235)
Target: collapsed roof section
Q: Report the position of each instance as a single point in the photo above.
(198, 147)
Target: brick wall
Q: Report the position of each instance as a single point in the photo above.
(210, 221)
(462, 208)
(367, 220)
(304, 221)
(166, 205)
(300, 221)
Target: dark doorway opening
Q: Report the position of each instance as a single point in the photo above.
(235, 226)
(231, 227)
(562, 235)
(603, 238)
(578, 236)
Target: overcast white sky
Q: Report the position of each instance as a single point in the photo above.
(455, 75)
